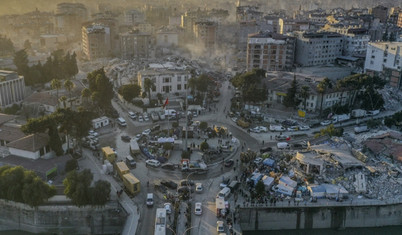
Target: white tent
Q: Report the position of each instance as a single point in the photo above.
(268, 182)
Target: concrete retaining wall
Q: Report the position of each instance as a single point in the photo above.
(320, 217)
(61, 219)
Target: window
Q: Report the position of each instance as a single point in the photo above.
(166, 80)
(178, 87)
(178, 78)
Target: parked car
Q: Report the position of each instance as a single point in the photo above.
(146, 132)
(219, 227)
(281, 137)
(258, 161)
(325, 123)
(168, 166)
(140, 118)
(186, 183)
(293, 128)
(168, 207)
(132, 115)
(146, 118)
(125, 138)
(168, 183)
(265, 149)
(304, 128)
(152, 162)
(229, 163)
(255, 130)
(263, 128)
(93, 133)
(198, 208)
(198, 187)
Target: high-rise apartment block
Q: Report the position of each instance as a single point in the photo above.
(321, 48)
(96, 41)
(270, 51)
(205, 34)
(134, 45)
(384, 59)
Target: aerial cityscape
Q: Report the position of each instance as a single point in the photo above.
(182, 117)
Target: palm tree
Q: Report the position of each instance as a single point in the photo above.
(322, 88)
(56, 84)
(86, 94)
(192, 84)
(160, 97)
(148, 85)
(63, 99)
(305, 93)
(69, 85)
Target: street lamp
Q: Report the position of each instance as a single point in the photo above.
(185, 231)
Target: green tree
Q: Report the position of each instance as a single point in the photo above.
(148, 85)
(86, 94)
(130, 91)
(6, 46)
(69, 85)
(331, 131)
(77, 186)
(20, 185)
(100, 193)
(203, 125)
(56, 84)
(305, 93)
(204, 146)
(167, 146)
(63, 99)
(322, 88)
(21, 61)
(71, 165)
(27, 45)
(160, 97)
(260, 188)
(291, 99)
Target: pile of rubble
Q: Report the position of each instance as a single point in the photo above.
(392, 97)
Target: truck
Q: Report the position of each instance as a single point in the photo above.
(131, 184)
(109, 154)
(134, 147)
(242, 123)
(276, 128)
(162, 115)
(154, 117)
(193, 166)
(340, 118)
(358, 113)
(121, 168)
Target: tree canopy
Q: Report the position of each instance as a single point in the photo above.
(78, 189)
(20, 185)
(100, 84)
(130, 91)
(57, 66)
(250, 85)
(6, 46)
(291, 99)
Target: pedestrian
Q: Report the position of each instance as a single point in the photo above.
(262, 142)
(234, 168)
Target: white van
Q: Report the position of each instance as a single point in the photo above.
(121, 121)
(150, 199)
(224, 193)
(282, 145)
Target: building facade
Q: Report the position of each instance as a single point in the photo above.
(167, 38)
(165, 80)
(384, 59)
(69, 18)
(380, 12)
(12, 88)
(321, 48)
(96, 41)
(205, 34)
(270, 51)
(355, 39)
(134, 45)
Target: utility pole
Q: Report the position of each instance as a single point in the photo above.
(185, 140)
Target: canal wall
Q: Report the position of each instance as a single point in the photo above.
(334, 217)
(62, 219)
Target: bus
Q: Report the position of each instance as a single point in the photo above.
(160, 221)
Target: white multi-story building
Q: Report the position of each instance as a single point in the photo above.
(384, 59)
(355, 39)
(12, 88)
(321, 48)
(166, 80)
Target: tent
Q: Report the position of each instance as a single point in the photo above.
(163, 140)
(285, 190)
(269, 162)
(317, 191)
(268, 182)
(285, 180)
(255, 177)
